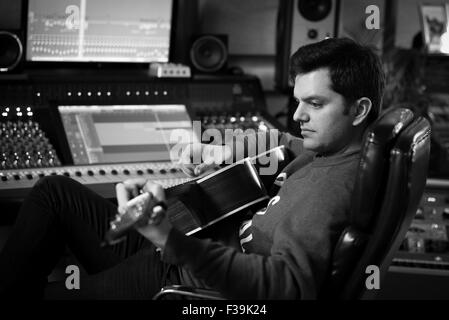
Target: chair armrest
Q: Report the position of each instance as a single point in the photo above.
(187, 291)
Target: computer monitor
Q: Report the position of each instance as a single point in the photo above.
(126, 133)
(131, 31)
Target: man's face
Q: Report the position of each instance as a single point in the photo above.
(320, 113)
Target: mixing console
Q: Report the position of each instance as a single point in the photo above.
(242, 121)
(24, 145)
(15, 184)
(426, 244)
(31, 142)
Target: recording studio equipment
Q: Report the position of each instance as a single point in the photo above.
(123, 133)
(95, 125)
(244, 121)
(184, 24)
(420, 268)
(426, 245)
(301, 22)
(209, 53)
(15, 184)
(102, 31)
(169, 70)
(11, 51)
(11, 46)
(25, 145)
(230, 105)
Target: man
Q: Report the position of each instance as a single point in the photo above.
(284, 250)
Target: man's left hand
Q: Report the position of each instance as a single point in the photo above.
(156, 233)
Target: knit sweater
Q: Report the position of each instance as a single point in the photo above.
(286, 248)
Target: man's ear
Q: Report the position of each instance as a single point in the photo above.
(362, 109)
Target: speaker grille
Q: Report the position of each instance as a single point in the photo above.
(11, 51)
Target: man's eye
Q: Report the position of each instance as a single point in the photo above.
(316, 105)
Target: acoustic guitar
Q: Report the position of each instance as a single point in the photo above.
(204, 201)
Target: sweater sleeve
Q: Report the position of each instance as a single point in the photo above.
(294, 268)
(234, 274)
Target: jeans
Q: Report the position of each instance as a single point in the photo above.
(61, 213)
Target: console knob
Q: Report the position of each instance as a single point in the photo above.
(419, 213)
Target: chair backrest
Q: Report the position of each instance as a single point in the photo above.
(369, 205)
(409, 160)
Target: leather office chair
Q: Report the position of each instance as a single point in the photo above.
(389, 184)
(381, 238)
(385, 200)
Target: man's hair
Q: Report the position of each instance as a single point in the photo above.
(355, 70)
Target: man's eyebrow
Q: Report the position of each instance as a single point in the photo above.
(312, 97)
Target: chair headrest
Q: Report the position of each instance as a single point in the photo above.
(372, 171)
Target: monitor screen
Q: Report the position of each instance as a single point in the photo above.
(126, 133)
(98, 30)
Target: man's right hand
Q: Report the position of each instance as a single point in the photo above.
(197, 158)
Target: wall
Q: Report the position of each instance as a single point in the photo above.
(250, 24)
(251, 28)
(408, 22)
(352, 22)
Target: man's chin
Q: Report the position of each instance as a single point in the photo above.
(309, 145)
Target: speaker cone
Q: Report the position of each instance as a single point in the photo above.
(314, 10)
(208, 54)
(11, 51)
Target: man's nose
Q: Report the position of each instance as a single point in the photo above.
(300, 114)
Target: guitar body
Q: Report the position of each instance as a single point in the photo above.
(201, 203)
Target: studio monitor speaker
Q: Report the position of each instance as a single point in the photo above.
(11, 47)
(301, 22)
(209, 53)
(184, 25)
(11, 51)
